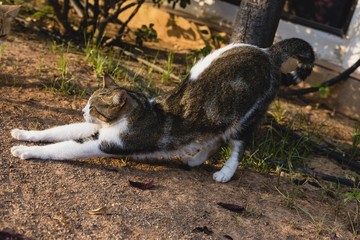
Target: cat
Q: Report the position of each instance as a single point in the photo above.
(223, 98)
(7, 14)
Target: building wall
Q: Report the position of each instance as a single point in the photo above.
(342, 51)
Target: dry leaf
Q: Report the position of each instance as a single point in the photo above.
(99, 211)
(232, 207)
(142, 185)
(7, 235)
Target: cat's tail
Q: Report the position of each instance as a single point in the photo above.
(293, 48)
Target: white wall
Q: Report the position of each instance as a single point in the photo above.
(342, 51)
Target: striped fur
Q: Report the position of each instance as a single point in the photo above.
(222, 99)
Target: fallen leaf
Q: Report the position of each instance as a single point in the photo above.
(142, 185)
(7, 235)
(232, 207)
(228, 237)
(99, 211)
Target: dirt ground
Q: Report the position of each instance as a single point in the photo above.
(52, 199)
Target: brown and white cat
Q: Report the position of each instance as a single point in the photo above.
(222, 99)
(7, 14)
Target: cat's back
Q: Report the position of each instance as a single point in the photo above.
(233, 61)
(223, 84)
(238, 69)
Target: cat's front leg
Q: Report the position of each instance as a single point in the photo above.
(60, 151)
(72, 131)
(230, 166)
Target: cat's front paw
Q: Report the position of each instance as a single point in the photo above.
(23, 152)
(222, 177)
(23, 135)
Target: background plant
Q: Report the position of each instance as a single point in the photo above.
(145, 33)
(94, 16)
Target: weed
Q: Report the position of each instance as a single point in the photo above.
(63, 64)
(290, 197)
(355, 141)
(279, 114)
(45, 12)
(54, 47)
(91, 50)
(354, 195)
(323, 90)
(99, 64)
(353, 226)
(252, 212)
(64, 83)
(3, 47)
(165, 77)
(150, 68)
(224, 154)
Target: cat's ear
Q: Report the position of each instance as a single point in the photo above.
(12, 10)
(119, 98)
(108, 82)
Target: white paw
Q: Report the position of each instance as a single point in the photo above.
(221, 177)
(23, 135)
(22, 152)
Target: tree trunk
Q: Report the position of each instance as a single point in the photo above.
(256, 22)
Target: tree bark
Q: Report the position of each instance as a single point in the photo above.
(256, 22)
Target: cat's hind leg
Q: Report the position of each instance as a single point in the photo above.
(72, 131)
(204, 154)
(229, 168)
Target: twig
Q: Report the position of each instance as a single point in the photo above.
(313, 173)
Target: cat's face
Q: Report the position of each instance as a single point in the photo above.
(107, 104)
(7, 14)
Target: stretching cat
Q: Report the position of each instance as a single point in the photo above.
(222, 99)
(7, 14)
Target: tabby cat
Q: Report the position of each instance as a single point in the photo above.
(7, 14)
(222, 99)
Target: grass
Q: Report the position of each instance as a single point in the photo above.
(3, 48)
(279, 113)
(64, 83)
(169, 68)
(354, 196)
(289, 197)
(280, 146)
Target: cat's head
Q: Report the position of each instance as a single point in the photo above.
(107, 104)
(7, 14)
